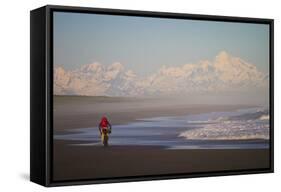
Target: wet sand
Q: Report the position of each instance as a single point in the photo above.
(72, 112)
(93, 162)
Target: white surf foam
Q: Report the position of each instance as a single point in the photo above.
(228, 130)
(264, 117)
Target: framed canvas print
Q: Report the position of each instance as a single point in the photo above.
(121, 95)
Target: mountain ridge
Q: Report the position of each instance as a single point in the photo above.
(224, 73)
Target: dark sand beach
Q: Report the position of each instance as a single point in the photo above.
(92, 162)
(72, 162)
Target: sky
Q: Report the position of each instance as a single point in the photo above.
(144, 44)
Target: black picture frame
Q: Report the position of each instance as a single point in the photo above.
(41, 83)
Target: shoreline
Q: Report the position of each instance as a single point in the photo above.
(77, 112)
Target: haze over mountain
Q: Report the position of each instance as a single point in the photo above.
(224, 74)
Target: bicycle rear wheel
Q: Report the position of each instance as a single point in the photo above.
(105, 140)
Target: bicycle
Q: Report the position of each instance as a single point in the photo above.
(105, 131)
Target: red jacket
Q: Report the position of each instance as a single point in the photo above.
(104, 123)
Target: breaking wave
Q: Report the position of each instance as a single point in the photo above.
(264, 117)
(254, 126)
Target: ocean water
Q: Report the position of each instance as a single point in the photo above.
(240, 129)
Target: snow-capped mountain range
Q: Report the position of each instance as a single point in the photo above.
(224, 73)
